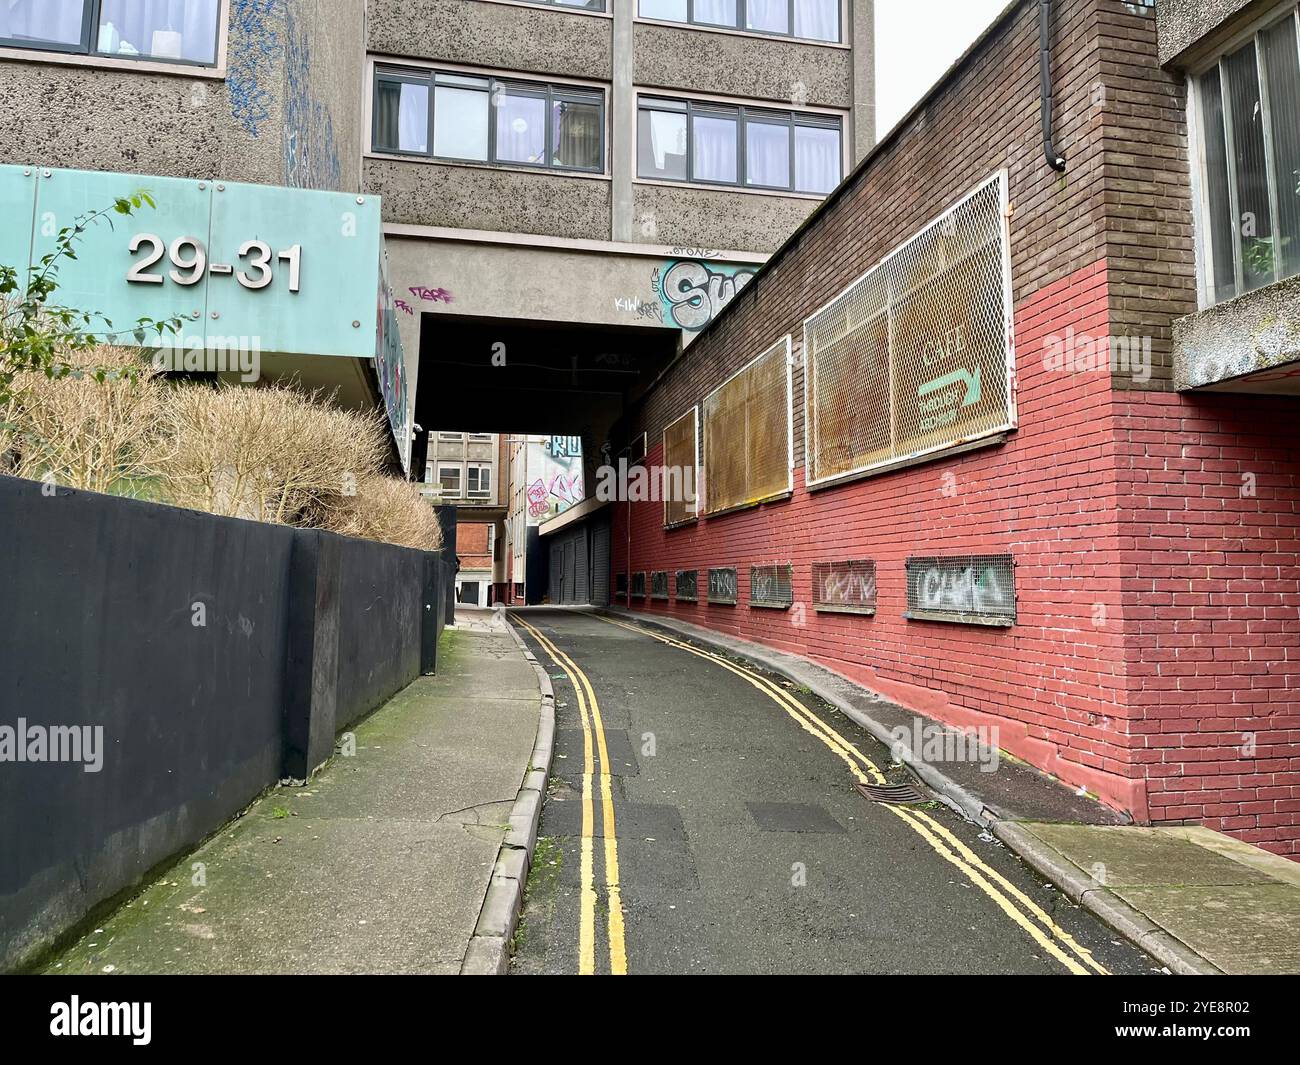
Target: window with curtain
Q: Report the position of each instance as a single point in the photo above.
(682, 140)
(182, 31)
(480, 119)
(1250, 196)
(813, 20)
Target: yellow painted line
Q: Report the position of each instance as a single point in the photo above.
(948, 846)
(589, 704)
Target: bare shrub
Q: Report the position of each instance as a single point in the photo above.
(83, 431)
(383, 508)
(270, 454)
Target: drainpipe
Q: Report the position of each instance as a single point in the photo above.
(1054, 158)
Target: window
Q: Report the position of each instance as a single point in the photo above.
(179, 31)
(449, 478)
(814, 20)
(451, 436)
(748, 451)
(915, 356)
(1250, 202)
(478, 484)
(582, 5)
(716, 144)
(681, 459)
(488, 120)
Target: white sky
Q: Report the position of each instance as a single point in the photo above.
(916, 41)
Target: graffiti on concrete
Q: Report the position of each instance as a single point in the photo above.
(849, 587)
(311, 157)
(642, 309)
(555, 465)
(431, 295)
(255, 49)
(403, 306)
(976, 588)
(693, 293)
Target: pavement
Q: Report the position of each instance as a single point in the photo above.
(382, 863)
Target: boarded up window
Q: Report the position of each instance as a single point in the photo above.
(916, 355)
(722, 586)
(659, 585)
(681, 468)
(771, 586)
(968, 589)
(688, 583)
(845, 587)
(747, 434)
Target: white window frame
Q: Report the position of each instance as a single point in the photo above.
(702, 507)
(480, 468)
(459, 469)
(1203, 225)
(740, 28)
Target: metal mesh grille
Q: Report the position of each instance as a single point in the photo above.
(681, 459)
(659, 585)
(688, 585)
(971, 589)
(772, 586)
(845, 587)
(722, 586)
(916, 355)
(638, 585)
(747, 434)
(620, 586)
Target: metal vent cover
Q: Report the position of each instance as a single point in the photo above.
(722, 586)
(638, 585)
(688, 585)
(659, 584)
(965, 589)
(892, 794)
(772, 586)
(847, 587)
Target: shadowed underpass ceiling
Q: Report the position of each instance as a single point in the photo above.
(556, 377)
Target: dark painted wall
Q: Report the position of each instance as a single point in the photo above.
(173, 630)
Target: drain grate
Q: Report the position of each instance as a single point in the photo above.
(892, 794)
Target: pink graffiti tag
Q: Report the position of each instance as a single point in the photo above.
(402, 305)
(431, 295)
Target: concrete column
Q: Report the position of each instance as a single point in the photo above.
(623, 124)
(862, 19)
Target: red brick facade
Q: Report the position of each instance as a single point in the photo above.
(1156, 655)
(472, 545)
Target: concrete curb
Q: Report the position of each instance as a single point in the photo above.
(945, 788)
(1072, 881)
(1094, 896)
(489, 948)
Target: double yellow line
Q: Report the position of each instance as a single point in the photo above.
(593, 742)
(1010, 899)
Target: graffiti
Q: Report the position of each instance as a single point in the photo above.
(564, 447)
(659, 585)
(772, 586)
(390, 364)
(255, 48)
(403, 306)
(845, 586)
(722, 586)
(693, 253)
(975, 587)
(311, 158)
(639, 307)
(431, 295)
(694, 293)
(688, 585)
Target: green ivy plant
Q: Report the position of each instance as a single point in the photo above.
(37, 333)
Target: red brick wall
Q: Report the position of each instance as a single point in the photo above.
(472, 545)
(1210, 494)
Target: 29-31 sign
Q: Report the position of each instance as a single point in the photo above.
(189, 260)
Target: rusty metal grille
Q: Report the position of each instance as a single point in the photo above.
(847, 587)
(722, 587)
(967, 589)
(772, 586)
(681, 463)
(747, 444)
(659, 585)
(638, 585)
(688, 585)
(916, 356)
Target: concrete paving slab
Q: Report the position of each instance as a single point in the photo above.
(380, 864)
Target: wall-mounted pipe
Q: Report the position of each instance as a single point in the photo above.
(1054, 158)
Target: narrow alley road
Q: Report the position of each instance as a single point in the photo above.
(702, 817)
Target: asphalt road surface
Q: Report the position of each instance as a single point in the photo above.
(703, 817)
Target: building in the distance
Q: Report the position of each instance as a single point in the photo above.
(467, 471)
(547, 479)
